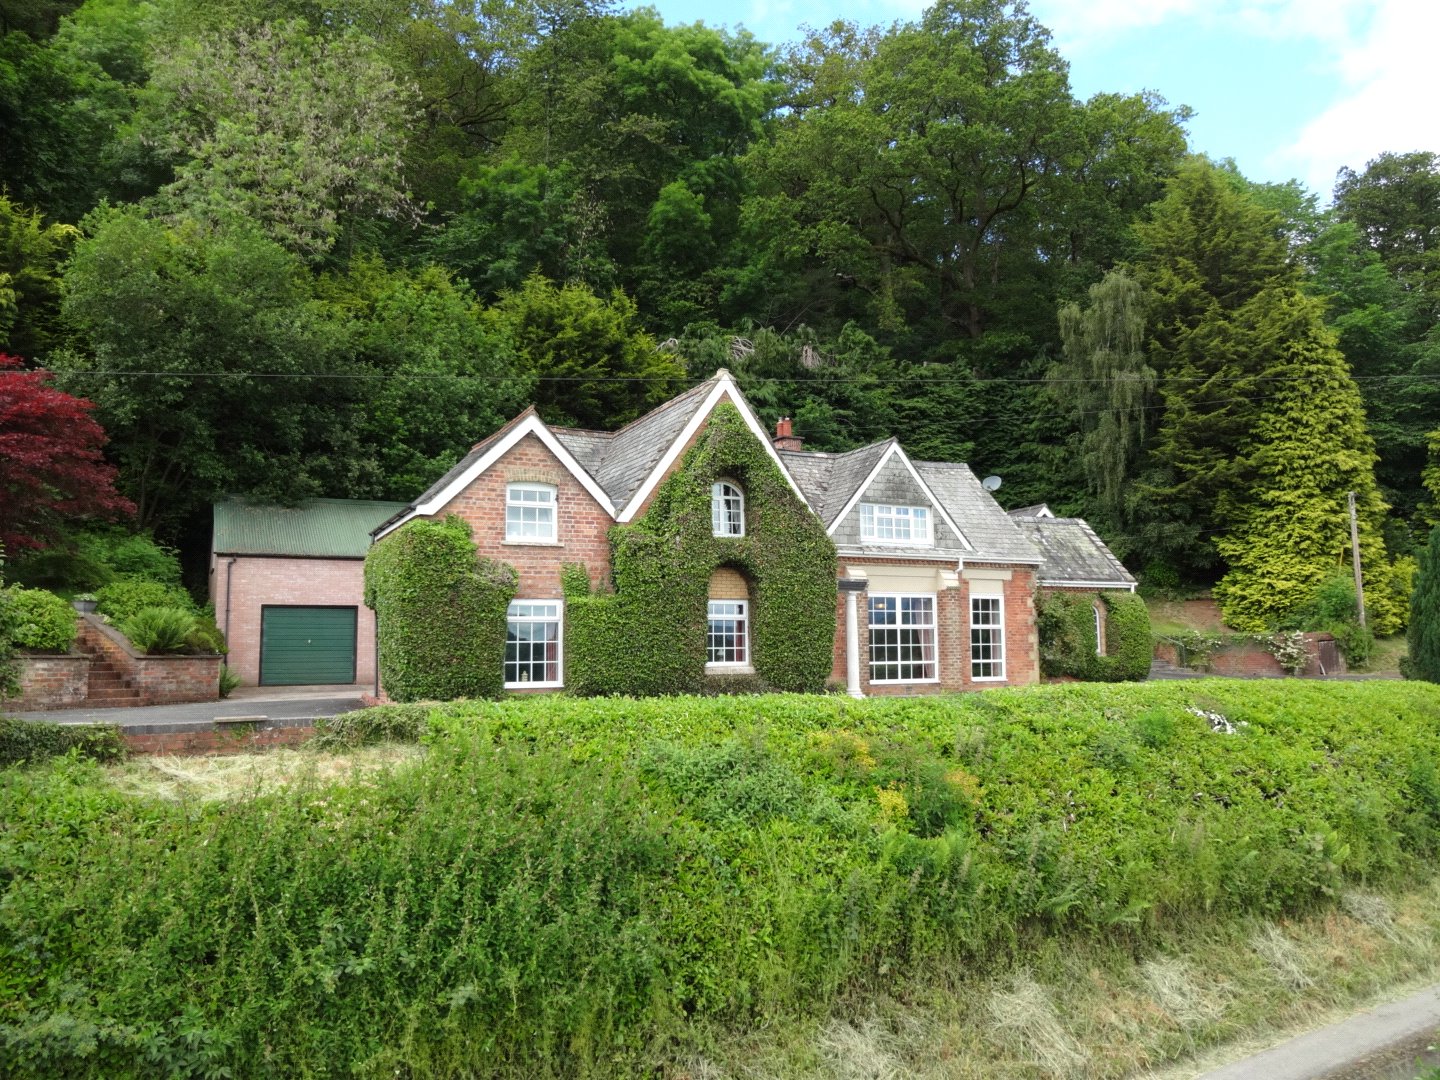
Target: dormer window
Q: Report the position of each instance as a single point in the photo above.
(727, 509)
(530, 513)
(884, 524)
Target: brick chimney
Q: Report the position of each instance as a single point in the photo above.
(785, 438)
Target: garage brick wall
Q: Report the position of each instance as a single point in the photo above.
(256, 582)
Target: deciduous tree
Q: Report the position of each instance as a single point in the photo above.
(52, 470)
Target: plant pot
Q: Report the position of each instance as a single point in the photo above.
(85, 607)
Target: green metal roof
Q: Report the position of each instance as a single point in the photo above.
(315, 529)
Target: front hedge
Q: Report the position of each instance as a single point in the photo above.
(439, 612)
(1066, 626)
(565, 887)
(22, 740)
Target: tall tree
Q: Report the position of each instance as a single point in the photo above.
(1424, 629)
(592, 362)
(1285, 514)
(201, 353)
(52, 468)
(1207, 250)
(30, 257)
(1108, 386)
(299, 132)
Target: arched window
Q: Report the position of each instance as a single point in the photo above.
(727, 509)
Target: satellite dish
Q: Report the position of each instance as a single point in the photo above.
(991, 483)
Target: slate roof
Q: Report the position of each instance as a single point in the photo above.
(829, 481)
(1073, 553)
(1038, 510)
(316, 528)
(620, 460)
(994, 534)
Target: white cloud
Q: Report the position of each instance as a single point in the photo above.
(1387, 99)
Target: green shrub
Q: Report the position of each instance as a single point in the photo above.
(159, 630)
(120, 600)
(440, 612)
(27, 741)
(648, 637)
(9, 621)
(558, 882)
(41, 621)
(1423, 633)
(1065, 623)
(399, 723)
(229, 681)
(565, 887)
(206, 637)
(93, 558)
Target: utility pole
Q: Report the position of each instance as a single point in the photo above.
(1355, 560)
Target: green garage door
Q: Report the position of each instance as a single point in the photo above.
(307, 645)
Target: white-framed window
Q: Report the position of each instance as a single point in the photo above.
(987, 638)
(1099, 632)
(727, 508)
(884, 524)
(727, 639)
(530, 513)
(532, 644)
(902, 639)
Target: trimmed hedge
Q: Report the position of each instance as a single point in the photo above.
(439, 611)
(1066, 626)
(565, 887)
(41, 620)
(24, 741)
(648, 636)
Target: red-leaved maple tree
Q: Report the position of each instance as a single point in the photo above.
(51, 467)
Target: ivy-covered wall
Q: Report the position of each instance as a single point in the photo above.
(440, 612)
(1066, 624)
(648, 635)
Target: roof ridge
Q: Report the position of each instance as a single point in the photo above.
(664, 405)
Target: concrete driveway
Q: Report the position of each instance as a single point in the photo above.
(272, 702)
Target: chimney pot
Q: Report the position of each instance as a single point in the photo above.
(785, 438)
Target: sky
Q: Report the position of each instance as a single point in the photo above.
(1291, 89)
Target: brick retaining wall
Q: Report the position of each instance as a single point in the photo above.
(51, 682)
(219, 738)
(160, 680)
(1251, 659)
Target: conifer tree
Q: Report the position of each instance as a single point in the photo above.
(1285, 513)
(1424, 633)
(1209, 250)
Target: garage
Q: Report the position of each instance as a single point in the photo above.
(302, 645)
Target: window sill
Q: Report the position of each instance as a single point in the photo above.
(534, 686)
(729, 669)
(531, 543)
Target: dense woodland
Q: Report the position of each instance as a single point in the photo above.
(293, 249)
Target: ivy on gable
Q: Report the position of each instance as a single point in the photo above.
(648, 635)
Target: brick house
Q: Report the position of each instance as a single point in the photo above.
(937, 581)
